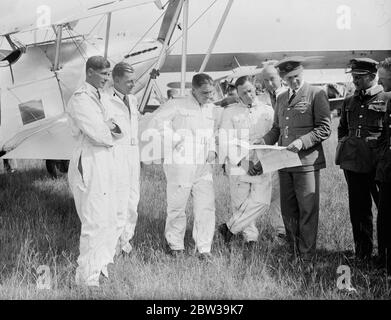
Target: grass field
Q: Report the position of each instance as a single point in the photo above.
(39, 226)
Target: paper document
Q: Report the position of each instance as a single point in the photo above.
(273, 159)
(265, 147)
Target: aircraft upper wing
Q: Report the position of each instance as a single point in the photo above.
(227, 61)
(62, 14)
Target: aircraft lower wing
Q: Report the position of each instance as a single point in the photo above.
(50, 139)
(227, 61)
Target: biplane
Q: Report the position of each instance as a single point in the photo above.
(225, 38)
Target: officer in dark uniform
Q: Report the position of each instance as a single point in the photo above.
(359, 130)
(301, 123)
(383, 174)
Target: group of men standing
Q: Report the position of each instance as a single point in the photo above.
(301, 121)
(105, 168)
(364, 154)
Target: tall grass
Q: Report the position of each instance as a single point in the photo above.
(39, 226)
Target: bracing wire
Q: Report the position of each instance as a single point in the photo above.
(194, 22)
(78, 46)
(143, 36)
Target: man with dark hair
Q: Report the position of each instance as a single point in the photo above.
(242, 124)
(359, 146)
(201, 79)
(231, 97)
(97, 63)
(301, 123)
(121, 105)
(187, 125)
(383, 174)
(171, 93)
(232, 91)
(90, 174)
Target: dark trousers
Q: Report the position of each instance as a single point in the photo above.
(300, 210)
(361, 189)
(384, 222)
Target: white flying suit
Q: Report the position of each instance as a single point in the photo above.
(92, 184)
(241, 126)
(127, 164)
(188, 130)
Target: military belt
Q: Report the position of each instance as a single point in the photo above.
(360, 133)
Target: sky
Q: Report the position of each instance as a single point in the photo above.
(252, 25)
(278, 25)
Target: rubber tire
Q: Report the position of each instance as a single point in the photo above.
(57, 168)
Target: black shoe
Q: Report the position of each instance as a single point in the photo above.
(226, 233)
(308, 266)
(249, 248)
(378, 262)
(250, 245)
(103, 279)
(281, 239)
(174, 253)
(177, 253)
(206, 256)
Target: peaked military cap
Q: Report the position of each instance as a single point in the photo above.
(362, 66)
(290, 66)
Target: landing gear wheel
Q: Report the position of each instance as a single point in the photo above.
(57, 168)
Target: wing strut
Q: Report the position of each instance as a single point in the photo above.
(184, 46)
(107, 34)
(155, 71)
(58, 47)
(217, 33)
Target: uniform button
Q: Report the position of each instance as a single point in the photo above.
(287, 118)
(389, 126)
(360, 116)
(290, 108)
(362, 106)
(359, 127)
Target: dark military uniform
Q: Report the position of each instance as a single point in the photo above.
(306, 116)
(358, 150)
(383, 176)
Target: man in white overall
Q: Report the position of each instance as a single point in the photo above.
(122, 107)
(242, 124)
(90, 174)
(188, 126)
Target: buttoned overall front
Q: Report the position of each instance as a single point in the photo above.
(92, 184)
(127, 164)
(359, 147)
(306, 117)
(188, 130)
(250, 195)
